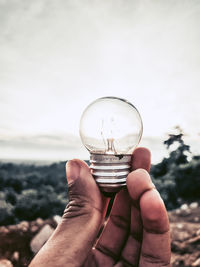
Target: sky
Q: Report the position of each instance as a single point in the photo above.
(56, 57)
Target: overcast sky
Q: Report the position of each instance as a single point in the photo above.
(58, 56)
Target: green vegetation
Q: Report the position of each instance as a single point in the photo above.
(29, 191)
(177, 177)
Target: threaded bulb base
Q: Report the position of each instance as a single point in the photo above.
(110, 171)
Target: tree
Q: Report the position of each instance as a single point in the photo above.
(178, 156)
(173, 175)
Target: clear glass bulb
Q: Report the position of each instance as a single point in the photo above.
(110, 128)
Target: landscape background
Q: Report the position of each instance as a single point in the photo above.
(32, 190)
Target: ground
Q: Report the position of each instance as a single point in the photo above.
(185, 233)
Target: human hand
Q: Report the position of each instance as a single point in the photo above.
(136, 233)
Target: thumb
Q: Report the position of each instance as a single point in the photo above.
(83, 215)
(84, 195)
(75, 235)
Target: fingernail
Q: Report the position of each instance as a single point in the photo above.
(72, 171)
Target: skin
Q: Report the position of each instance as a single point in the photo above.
(136, 232)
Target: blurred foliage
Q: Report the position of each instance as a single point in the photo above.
(177, 177)
(30, 191)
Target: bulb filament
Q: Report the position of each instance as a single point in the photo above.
(110, 146)
(109, 141)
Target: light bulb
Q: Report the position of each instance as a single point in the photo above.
(110, 128)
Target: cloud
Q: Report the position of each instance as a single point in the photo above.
(42, 141)
(64, 147)
(42, 147)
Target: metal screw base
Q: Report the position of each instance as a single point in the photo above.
(110, 171)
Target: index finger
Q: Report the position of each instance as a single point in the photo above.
(141, 159)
